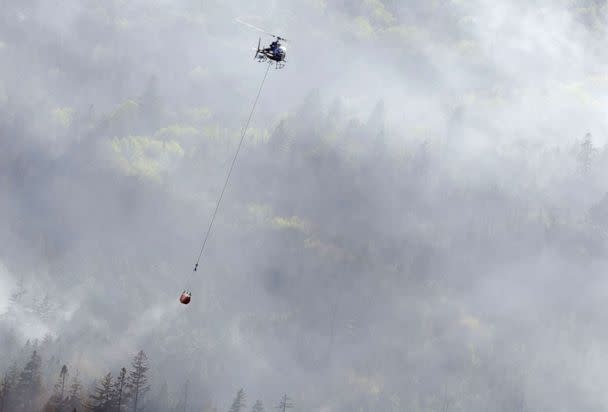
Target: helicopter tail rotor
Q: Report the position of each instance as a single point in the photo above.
(258, 50)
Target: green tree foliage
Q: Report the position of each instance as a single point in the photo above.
(362, 29)
(63, 116)
(145, 156)
(378, 12)
(177, 132)
(198, 115)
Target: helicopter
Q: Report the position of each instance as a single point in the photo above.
(275, 52)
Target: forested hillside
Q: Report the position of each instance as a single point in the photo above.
(417, 220)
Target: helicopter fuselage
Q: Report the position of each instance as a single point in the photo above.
(276, 52)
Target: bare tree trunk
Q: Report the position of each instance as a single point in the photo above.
(135, 400)
(186, 396)
(446, 401)
(62, 388)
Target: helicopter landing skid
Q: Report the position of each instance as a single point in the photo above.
(278, 64)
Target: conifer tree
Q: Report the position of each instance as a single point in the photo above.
(58, 399)
(102, 399)
(586, 154)
(239, 401)
(138, 379)
(9, 389)
(5, 389)
(43, 308)
(30, 383)
(284, 404)
(119, 389)
(258, 407)
(60, 386)
(74, 395)
(18, 294)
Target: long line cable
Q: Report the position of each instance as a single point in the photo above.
(238, 149)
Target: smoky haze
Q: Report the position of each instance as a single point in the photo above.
(417, 219)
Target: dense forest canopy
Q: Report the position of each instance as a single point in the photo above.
(417, 221)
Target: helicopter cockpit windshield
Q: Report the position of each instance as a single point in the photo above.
(280, 51)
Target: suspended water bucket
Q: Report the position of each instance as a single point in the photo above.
(185, 297)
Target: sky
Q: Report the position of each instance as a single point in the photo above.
(413, 220)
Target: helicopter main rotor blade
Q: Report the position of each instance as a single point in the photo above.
(258, 29)
(254, 27)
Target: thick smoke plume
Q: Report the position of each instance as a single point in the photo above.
(417, 220)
